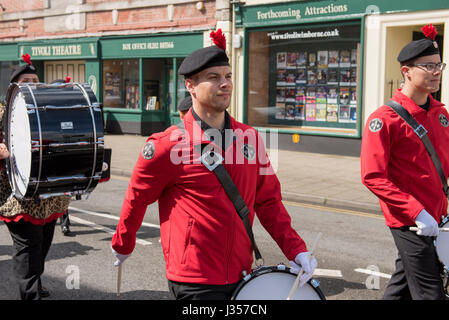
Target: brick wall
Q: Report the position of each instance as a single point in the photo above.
(41, 22)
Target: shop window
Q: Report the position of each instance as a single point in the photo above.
(182, 90)
(6, 69)
(121, 84)
(310, 80)
(153, 84)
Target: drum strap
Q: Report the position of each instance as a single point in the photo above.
(421, 132)
(213, 162)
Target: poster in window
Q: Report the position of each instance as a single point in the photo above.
(280, 113)
(332, 76)
(345, 59)
(311, 76)
(333, 59)
(301, 76)
(332, 112)
(322, 59)
(312, 59)
(332, 96)
(300, 95)
(291, 60)
(353, 57)
(343, 113)
(290, 95)
(344, 95)
(345, 77)
(281, 77)
(322, 76)
(281, 60)
(320, 112)
(321, 95)
(301, 59)
(290, 111)
(310, 111)
(352, 114)
(290, 78)
(299, 112)
(280, 95)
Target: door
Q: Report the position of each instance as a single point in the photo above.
(59, 70)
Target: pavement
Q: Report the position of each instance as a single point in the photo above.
(326, 180)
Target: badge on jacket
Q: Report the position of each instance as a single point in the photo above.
(148, 150)
(375, 125)
(443, 120)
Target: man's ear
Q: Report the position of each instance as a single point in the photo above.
(405, 70)
(190, 85)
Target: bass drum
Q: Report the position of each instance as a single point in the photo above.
(55, 137)
(442, 248)
(275, 283)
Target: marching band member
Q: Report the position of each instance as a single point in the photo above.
(31, 224)
(397, 168)
(204, 241)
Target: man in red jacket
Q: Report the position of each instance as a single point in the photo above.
(396, 167)
(205, 244)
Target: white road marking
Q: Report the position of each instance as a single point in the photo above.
(327, 273)
(103, 228)
(5, 258)
(374, 273)
(103, 215)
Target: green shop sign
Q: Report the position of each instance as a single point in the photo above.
(154, 46)
(60, 49)
(314, 11)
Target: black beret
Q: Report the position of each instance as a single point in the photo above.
(27, 68)
(418, 48)
(185, 104)
(201, 59)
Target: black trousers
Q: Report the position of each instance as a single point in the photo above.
(418, 270)
(31, 244)
(195, 291)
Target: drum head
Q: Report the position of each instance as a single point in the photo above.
(274, 284)
(442, 246)
(19, 144)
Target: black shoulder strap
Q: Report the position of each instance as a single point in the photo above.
(213, 161)
(421, 132)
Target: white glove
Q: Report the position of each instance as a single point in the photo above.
(427, 226)
(308, 264)
(120, 257)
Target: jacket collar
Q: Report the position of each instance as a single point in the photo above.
(411, 106)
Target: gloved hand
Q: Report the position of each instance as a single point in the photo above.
(305, 261)
(427, 226)
(120, 257)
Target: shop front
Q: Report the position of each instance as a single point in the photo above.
(140, 86)
(8, 63)
(305, 67)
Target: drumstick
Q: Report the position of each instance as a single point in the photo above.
(441, 229)
(119, 280)
(296, 283)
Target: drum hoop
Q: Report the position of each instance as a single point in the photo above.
(86, 96)
(38, 120)
(268, 269)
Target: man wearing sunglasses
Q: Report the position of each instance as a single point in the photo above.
(397, 168)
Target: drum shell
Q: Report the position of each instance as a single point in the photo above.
(311, 286)
(66, 136)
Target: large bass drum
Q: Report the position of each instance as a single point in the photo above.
(275, 283)
(54, 133)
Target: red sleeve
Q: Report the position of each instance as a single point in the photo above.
(374, 159)
(151, 174)
(271, 211)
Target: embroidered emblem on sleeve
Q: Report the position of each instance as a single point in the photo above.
(443, 120)
(148, 150)
(375, 125)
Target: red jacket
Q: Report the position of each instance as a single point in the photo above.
(396, 167)
(202, 236)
